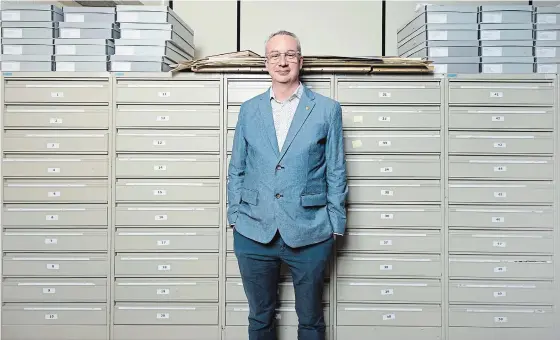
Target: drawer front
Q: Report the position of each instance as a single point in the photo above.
(395, 332)
(484, 217)
(56, 91)
(406, 241)
(361, 191)
(40, 191)
(513, 242)
(501, 192)
(54, 240)
(55, 332)
(232, 116)
(55, 290)
(166, 290)
(168, 91)
(56, 142)
(501, 267)
(401, 142)
(237, 315)
(490, 333)
(167, 215)
(389, 266)
(385, 291)
(236, 293)
(492, 118)
(166, 240)
(55, 215)
(390, 117)
(501, 167)
(59, 314)
(393, 166)
(55, 264)
(176, 116)
(388, 315)
(167, 141)
(402, 216)
(176, 314)
(166, 264)
(501, 143)
(385, 92)
(204, 191)
(165, 332)
(48, 117)
(508, 93)
(239, 91)
(59, 166)
(510, 316)
(501, 292)
(168, 166)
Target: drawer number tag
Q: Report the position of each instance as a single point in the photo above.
(500, 168)
(499, 145)
(498, 219)
(163, 242)
(384, 143)
(53, 146)
(57, 94)
(163, 291)
(386, 267)
(53, 170)
(384, 94)
(51, 316)
(160, 192)
(386, 216)
(55, 121)
(163, 315)
(158, 142)
(500, 194)
(499, 294)
(160, 218)
(53, 194)
(51, 241)
(164, 267)
(164, 94)
(386, 242)
(500, 270)
(500, 319)
(49, 290)
(386, 291)
(51, 217)
(162, 118)
(498, 118)
(386, 192)
(499, 244)
(160, 167)
(496, 94)
(53, 266)
(384, 118)
(386, 169)
(387, 317)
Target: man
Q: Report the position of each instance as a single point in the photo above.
(287, 192)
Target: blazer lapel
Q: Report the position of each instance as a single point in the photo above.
(303, 110)
(268, 122)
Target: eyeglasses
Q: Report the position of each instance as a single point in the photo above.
(291, 56)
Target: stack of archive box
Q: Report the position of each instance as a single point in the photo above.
(86, 39)
(168, 195)
(56, 190)
(152, 39)
(501, 195)
(547, 39)
(28, 32)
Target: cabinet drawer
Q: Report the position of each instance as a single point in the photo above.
(388, 315)
(168, 91)
(484, 217)
(513, 242)
(166, 264)
(166, 290)
(501, 316)
(391, 216)
(388, 266)
(501, 118)
(57, 117)
(394, 332)
(501, 267)
(364, 191)
(166, 332)
(166, 240)
(391, 117)
(505, 93)
(168, 215)
(391, 241)
(237, 315)
(239, 91)
(57, 91)
(501, 192)
(58, 314)
(389, 166)
(166, 166)
(55, 290)
(56, 191)
(175, 314)
(387, 92)
(54, 240)
(56, 264)
(54, 215)
(55, 332)
(236, 293)
(501, 292)
(56, 142)
(176, 116)
(501, 167)
(385, 291)
(501, 143)
(232, 116)
(167, 141)
(58, 166)
(490, 333)
(180, 190)
(398, 141)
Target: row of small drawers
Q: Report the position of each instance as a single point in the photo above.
(208, 91)
(209, 117)
(379, 216)
(208, 191)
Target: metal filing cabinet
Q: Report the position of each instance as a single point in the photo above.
(502, 193)
(389, 263)
(168, 212)
(55, 211)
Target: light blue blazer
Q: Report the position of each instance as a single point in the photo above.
(301, 190)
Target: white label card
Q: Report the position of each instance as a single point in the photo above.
(53, 194)
(70, 33)
(160, 167)
(500, 269)
(11, 15)
(545, 52)
(440, 68)
(439, 52)
(53, 145)
(386, 267)
(499, 244)
(384, 118)
(546, 35)
(494, 18)
(386, 292)
(51, 241)
(64, 66)
(125, 50)
(437, 18)
(356, 143)
(498, 118)
(13, 66)
(162, 118)
(55, 120)
(13, 33)
(384, 94)
(160, 218)
(162, 291)
(384, 143)
(158, 142)
(437, 35)
(388, 317)
(12, 49)
(51, 316)
(57, 94)
(51, 217)
(500, 145)
(386, 242)
(500, 194)
(49, 290)
(164, 267)
(386, 192)
(386, 216)
(160, 192)
(490, 35)
(164, 94)
(498, 219)
(53, 266)
(386, 169)
(163, 315)
(121, 66)
(500, 168)
(492, 68)
(491, 51)
(163, 242)
(53, 170)
(496, 94)
(500, 319)
(500, 294)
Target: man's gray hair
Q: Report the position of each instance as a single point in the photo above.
(282, 32)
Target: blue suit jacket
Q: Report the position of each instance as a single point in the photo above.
(300, 190)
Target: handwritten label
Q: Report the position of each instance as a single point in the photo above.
(384, 143)
(158, 142)
(498, 118)
(53, 194)
(499, 294)
(384, 118)
(496, 94)
(163, 315)
(51, 241)
(500, 194)
(53, 145)
(57, 94)
(55, 120)
(162, 118)
(500, 145)
(500, 319)
(384, 94)
(164, 94)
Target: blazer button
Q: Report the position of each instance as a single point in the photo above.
(278, 195)
(279, 167)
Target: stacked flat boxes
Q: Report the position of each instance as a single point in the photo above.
(86, 39)
(501, 196)
(28, 32)
(152, 39)
(168, 195)
(240, 89)
(547, 39)
(55, 172)
(389, 264)
(445, 34)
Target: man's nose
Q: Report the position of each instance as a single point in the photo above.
(283, 61)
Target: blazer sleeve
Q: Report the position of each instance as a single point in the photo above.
(337, 187)
(236, 171)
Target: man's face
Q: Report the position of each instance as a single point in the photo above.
(283, 61)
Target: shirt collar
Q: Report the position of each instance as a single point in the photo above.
(297, 93)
